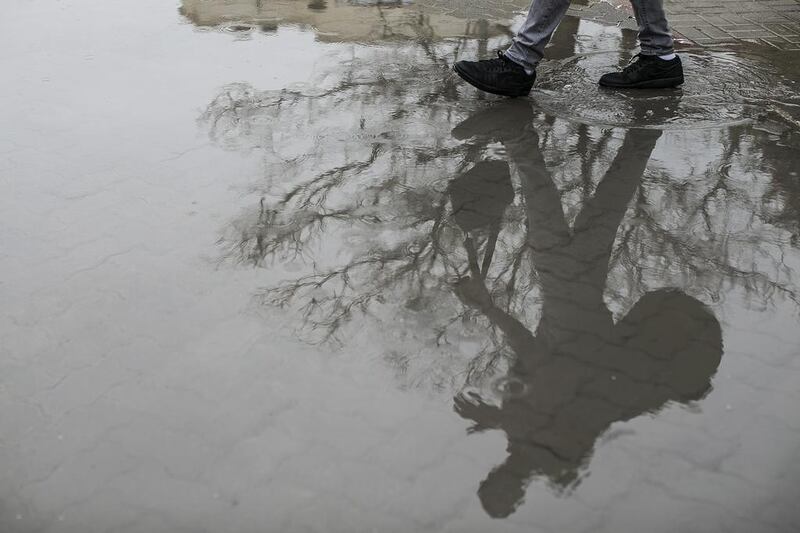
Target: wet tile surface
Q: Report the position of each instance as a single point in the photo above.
(272, 267)
(775, 23)
(711, 23)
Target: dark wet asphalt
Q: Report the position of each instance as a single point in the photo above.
(273, 267)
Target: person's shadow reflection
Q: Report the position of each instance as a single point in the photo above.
(580, 371)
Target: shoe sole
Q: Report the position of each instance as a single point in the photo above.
(478, 85)
(663, 83)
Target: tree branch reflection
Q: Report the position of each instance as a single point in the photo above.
(552, 271)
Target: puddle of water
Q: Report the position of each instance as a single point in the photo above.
(359, 21)
(286, 272)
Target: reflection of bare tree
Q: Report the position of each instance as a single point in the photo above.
(357, 186)
(781, 203)
(718, 231)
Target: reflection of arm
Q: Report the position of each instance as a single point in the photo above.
(518, 336)
(473, 292)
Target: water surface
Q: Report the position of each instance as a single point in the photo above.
(269, 266)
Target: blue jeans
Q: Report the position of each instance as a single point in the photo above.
(655, 37)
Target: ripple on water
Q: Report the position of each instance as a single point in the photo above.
(721, 89)
(510, 387)
(237, 27)
(414, 248)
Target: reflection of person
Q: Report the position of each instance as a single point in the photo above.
(580, 371)
(513, 72)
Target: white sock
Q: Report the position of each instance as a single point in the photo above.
(668, 57)
(527, 70)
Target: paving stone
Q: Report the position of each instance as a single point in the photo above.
(735, 19)
(775, 23)
(743, 27)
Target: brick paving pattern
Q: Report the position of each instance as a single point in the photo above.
(774, 23)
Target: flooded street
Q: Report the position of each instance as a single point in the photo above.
(270, 266)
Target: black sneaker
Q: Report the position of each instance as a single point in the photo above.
(646, 72)
(497, 76)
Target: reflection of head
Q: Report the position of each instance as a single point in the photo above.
(479, 197)
(317, 5)
(502, 491)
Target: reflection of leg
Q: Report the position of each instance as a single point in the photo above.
(598, 222)
(543, 19)
(655, 36)
(547, 226)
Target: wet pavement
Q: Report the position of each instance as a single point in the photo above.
(774, 23)
(269, 266)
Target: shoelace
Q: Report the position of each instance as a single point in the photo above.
(501, 63)
(635, 65)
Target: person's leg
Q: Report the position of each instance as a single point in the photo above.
(656, 66)
(513, 72)
(543, 19)
(655, 37)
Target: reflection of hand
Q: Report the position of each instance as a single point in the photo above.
(473, 292)
(470, 406)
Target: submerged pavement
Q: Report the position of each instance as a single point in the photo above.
(270, 266)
